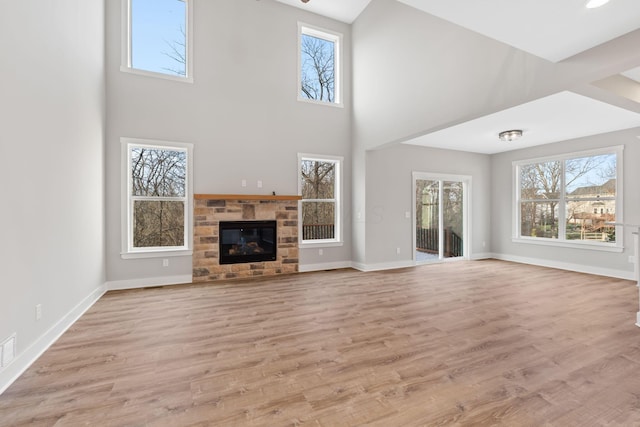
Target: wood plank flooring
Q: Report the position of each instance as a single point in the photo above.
(473, 343)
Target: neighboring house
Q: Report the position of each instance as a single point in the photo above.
(591, 218)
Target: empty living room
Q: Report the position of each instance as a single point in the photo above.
(320, 212)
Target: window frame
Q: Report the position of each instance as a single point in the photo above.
(336, 39)
(562, 241)
(126, 48)
(127, 249)
(337, 199)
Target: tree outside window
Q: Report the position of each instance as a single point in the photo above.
(319, 187)
(158, 197)
(319, 66)
(157, 41)
(573, 198)
(158, 179)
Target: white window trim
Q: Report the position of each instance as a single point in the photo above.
(331, 36)
(125, 49)
(338, 240)
(618, 246)
(127, 249)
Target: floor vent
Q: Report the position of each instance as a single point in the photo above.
(7, 351)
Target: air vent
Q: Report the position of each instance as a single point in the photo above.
(7, 351)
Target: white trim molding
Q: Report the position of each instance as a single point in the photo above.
(382, 265)
(481, 255)
(150, 282)
(579, 268)
(323, 266)
(27, 357)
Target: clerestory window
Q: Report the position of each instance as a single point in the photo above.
(156, 39)
(319, 66)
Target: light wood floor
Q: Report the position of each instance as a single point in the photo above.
(467, 343)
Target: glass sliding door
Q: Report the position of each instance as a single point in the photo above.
(440, 217)
(452, 230)
(427, 220)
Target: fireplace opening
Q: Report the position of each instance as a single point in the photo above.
(247, 241)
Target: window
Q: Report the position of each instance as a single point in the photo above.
(319, 66)
(156, 198)
(156, 38)
(563, 200)
(320, 188)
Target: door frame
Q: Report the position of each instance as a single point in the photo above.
(466, 210)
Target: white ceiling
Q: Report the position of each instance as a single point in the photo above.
(633, 74)
(341, 10)
(558, 117)
(550, 29)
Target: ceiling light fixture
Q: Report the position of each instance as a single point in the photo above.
(592, 4)
(510, 135)
(307, 1)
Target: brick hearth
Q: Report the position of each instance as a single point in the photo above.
(211, 209)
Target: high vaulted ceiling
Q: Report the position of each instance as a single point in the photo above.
(341, 10)
(550, 29)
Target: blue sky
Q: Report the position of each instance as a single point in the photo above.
(155, 24)
(604, 172)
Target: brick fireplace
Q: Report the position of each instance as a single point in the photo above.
(210, 209)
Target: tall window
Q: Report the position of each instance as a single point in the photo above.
(320, 206)
(158, 197)
(319, 66)
(571, 199)
(156, 38)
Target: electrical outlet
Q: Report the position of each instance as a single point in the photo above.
(397, 251)
(320, 252)
(259, 183)
(407, 215)
(244, 183)
(38, 311)
(165, 262)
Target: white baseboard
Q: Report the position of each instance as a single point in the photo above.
(324, 266)
(26, 358)
(481, 255)
(149, 282)
(383, 265)
(580, 268)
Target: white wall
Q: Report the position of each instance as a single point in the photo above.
(413, 73)
(51, 133)
(390, 196)
(597, 262)
(241, 114)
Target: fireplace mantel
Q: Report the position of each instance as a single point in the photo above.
(245, 197)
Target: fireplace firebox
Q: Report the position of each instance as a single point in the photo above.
(247, 241)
